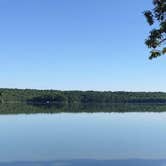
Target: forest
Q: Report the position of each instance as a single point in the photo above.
(32, 96)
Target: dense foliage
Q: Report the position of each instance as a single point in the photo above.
(68, 97)
(157, 36)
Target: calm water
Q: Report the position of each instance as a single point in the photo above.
(83, 139)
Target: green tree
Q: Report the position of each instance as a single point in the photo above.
(1, 97)
(156, 17)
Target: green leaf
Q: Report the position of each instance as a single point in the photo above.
(164, 50)
(155, 54)
(149, 17)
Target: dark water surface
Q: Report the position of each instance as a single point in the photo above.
(128, 139)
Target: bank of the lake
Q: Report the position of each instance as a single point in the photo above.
(84, 97)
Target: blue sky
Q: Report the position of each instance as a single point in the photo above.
(77, 44)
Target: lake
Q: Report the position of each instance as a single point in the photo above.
(83, 139)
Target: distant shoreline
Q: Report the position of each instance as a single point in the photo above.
(68, 97)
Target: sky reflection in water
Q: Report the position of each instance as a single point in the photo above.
(66, 136)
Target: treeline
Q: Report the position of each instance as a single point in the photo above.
(68, 97)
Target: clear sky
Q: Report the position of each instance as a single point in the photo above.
(77, 45)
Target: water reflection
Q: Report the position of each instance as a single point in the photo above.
(66, 136)
(76, 108)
